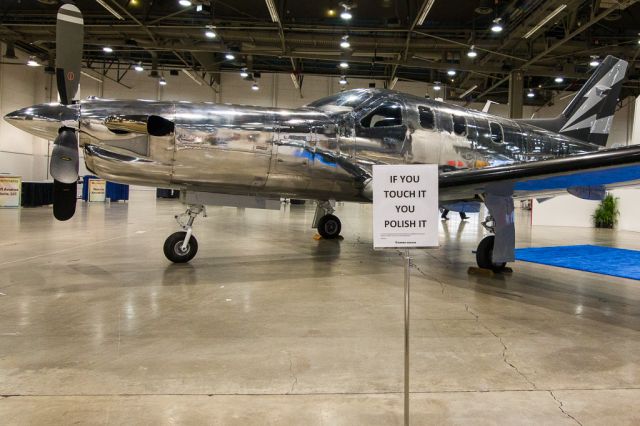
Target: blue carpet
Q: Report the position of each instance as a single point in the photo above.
(600, 260)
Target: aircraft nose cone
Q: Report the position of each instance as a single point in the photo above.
(44, 120)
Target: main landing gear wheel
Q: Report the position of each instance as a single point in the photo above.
(484, 255)
(329, 227)
(173, 247)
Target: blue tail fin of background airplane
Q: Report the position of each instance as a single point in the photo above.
(589, 115)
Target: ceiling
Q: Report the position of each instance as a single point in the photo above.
(386, 36)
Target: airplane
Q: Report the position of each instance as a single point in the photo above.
(250, 156)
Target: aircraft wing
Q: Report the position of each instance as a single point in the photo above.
(577, 174)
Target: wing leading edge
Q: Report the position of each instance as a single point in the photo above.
(609, 168)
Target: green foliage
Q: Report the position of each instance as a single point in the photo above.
(606, 215)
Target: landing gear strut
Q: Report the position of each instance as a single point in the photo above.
(328, 225)
(494, 251)
(182, 246)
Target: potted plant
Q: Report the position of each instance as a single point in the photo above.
(606, 215)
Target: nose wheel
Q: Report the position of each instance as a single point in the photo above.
(176, 251)
(182, 246)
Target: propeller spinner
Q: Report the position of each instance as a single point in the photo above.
(65, 158)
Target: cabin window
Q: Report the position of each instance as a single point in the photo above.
(427, 118)
(496, 133)
(386, 115)
(459, 125)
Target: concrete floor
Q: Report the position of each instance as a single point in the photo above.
(269, 326)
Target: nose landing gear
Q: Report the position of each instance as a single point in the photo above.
(182, 246)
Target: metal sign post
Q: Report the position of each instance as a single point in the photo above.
(407, 303)
(405, 215)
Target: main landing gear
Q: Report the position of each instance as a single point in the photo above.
(182, 246)
(327, 224)
(484, 252)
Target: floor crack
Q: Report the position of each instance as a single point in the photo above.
(561, 407)
(294, 378)
(505, 349)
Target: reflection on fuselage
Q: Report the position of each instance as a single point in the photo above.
(322, 151)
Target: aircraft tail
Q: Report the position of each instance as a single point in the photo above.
(589, 115)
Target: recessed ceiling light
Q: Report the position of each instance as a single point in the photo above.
(107, 49)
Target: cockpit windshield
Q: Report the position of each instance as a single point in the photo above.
(342, 102)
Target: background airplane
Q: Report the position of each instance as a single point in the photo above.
(252, 156)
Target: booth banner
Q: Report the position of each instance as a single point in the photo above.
(10, 191)
(97, 190)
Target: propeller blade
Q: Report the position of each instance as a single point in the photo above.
(69, 40)
(65, 158)
(64, 199)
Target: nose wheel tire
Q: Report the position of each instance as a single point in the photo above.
(173, 248)
(484, 255)
(329, 227)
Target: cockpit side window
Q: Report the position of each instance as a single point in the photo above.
(459, 125)
(497, 135)
(427, 118)
(386, 115)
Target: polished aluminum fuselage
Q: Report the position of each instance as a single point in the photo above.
(315, 152)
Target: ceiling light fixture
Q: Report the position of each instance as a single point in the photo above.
(107, 49)
(594, 61)
(210, 33)
(244, 73)
(344, 65)
(548, 18)
(472, 52)
(32, 62)
(559, 79)
(468, 92)
(531, 94)
(344, 43)
(162, 81)
(185, 3)
(138, 67)
(110, 9)
(425, 11)
(255, 87)
(497, 26)
(451, 73)
(346, 14)
(230, 56)
(273, 11)
(436, 86)
(343, 80)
